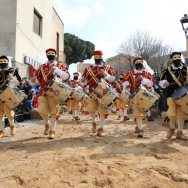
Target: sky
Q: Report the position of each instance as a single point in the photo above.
(108, 23)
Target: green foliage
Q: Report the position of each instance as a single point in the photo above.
(76, 49)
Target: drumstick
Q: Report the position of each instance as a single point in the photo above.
(171, 84)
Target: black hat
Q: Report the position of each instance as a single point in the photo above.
(175, 53)
(4, 57)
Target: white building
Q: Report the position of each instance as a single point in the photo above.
(28, 28)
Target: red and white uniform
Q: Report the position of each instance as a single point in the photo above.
(91, 74)
(75, 83)
(47, 72)
(74, 105)
(133, 78)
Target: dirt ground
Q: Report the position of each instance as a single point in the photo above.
(77, 158)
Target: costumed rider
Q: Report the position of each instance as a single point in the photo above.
(72, 103)
(8, 74)
(174, 77)
(92, 75)
(48, 107)
(136, 77)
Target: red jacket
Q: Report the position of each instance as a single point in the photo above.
(132, 77)
(45, 74)
(91, 74)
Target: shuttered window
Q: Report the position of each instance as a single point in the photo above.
(37, 23)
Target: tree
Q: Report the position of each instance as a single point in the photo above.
(76, 49)
(142, 44)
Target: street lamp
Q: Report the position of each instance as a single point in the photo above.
(184, 22)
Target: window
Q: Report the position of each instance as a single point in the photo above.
(37, 23)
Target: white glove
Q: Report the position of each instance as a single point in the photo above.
(163, 83)
(109, 77)
(60, 73)
(125, 84)
(147, 82)
(55, 71)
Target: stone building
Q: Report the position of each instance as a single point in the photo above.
(120, 63)
(28, 28)
(81, 67)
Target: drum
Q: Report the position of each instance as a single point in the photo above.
(78, 94)
(143, 98)
(12, 96)
(124, 96)
(99, 89)
(181, 98)
(109, 99)
(108, 94)
(59, 90)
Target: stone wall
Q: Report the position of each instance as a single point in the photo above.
(8, 27)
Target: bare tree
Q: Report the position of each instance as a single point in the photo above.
(142, 44)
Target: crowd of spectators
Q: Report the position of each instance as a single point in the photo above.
(23, 111)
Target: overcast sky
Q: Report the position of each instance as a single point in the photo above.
(107, 23)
